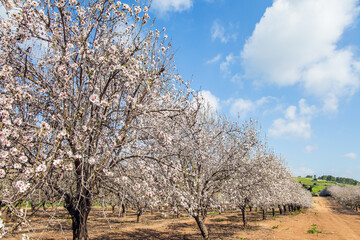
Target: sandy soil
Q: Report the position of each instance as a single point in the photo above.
(334, 222)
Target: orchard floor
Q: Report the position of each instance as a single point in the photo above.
(334, 222)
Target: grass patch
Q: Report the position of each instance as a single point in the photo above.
(275, 227)
(313, 230)
(221, 220)
(214, 212)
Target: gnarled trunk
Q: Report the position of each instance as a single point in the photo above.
(280, 209)
(273, 212)
(79, 208)
(203, 229)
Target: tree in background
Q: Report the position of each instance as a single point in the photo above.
(205, 153)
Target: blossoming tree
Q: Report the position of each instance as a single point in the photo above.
(205, 153)
(78, 78)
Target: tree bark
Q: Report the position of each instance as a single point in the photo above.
(273, 212)
(264, 214)
(123, 210)
(244, 217)
(202, 227)
(113, 208)
(138, 214)
(79, 208)
(280, 210)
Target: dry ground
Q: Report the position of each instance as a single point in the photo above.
(334, 222)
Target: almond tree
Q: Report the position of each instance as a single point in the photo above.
(256, 181)
(78, 81)
(205, 152)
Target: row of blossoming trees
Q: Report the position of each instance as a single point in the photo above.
(91, 107)
(347, 196)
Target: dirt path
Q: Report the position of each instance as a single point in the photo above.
(333, 220)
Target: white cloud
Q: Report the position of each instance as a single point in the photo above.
(214, 59)
(164, 6)
(296, 122)
(244, 107)
(350, 155)
(225, 65)
(295, 42)
(218, 32)
(237, 78)
(310, 149)
(211, 102)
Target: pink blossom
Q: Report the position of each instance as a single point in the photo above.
(58, 163)
(108, 173)
(23, 159)
(17, 166)
(94, 98)
(92, 161)
(2, 173)
(22, 186)
(29, 171)
(41, 168)
(69, 166)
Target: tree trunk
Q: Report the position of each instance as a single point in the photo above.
(79, 209)
(202, 227)
(273, 212)
(113, 208)
(138, 214)
(280, 210)
(44, 205)
(264, 214)
(250, 208)
(284, 208)
(244, 217)
(123, 210)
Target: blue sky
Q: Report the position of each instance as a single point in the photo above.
(292, 65)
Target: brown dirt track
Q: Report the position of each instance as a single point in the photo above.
(334, 221)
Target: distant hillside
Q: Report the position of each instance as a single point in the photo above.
(316, 185)
(339, 180)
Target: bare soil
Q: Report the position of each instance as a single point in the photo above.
(331, 219)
